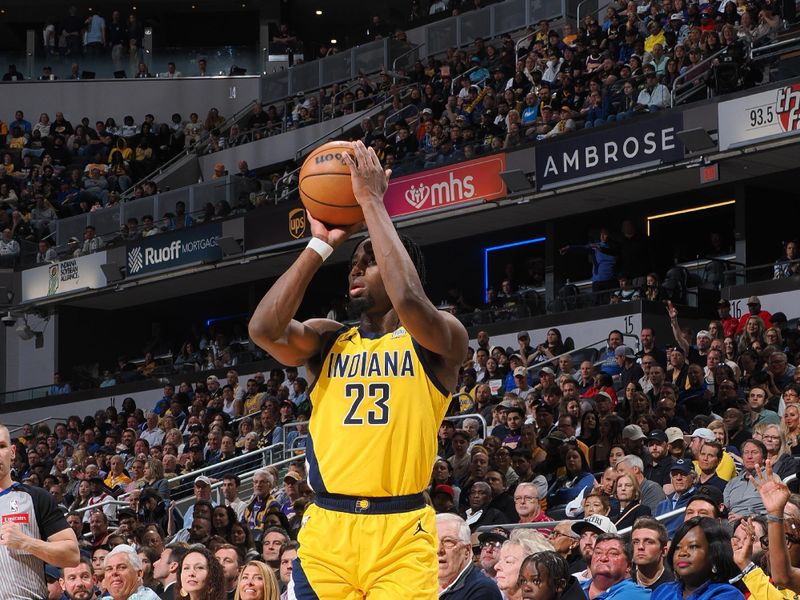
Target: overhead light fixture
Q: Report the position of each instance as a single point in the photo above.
(686, 211)
(229, 246)
(516, 181)
(695, 140)
(333, 41)
(318, 12)
(112, 271)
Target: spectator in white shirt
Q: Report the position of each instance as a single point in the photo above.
(654, 96)
(9, 249)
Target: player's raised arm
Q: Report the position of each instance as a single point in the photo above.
(273, 326)
(436, 331)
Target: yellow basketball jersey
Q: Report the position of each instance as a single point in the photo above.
(376, 410)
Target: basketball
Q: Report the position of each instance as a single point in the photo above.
(325, 187)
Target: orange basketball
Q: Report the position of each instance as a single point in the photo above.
(325, 186)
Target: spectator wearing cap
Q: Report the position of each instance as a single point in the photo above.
(654, 95)
(201, 491)
(291, 487)
(630, 371)
(633, 440)
(729, 322)
(515, 360)
(678, 368)
(490, 543)
(740, 496)
(651, 491)
(443, 498)
(726, 466)
(521, 386)
(588, 530)
(682, 478)
(754, 310)
(459, 577)
(657, 465)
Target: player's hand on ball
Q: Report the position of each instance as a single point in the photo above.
(333, 235)
(370, 180)
(12, 536)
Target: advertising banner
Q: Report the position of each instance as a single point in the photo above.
(174, 249)
(411, 194)
(451, 184)
(608, 150)
(64, 276)
(774, 113)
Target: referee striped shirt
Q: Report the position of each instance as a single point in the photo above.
(36, 513)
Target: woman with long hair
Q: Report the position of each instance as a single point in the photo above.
(701, 558)
(589, 428)
(257, 582)
(753, 332)
(578, 478)
(610, 433)
(148, 556)
(242, 538)
(778, 451)
(153, 477)
(791, 426)
(629, 495)
(222, 519)
(83, 497)
(789, 264)
(200, 575)
(773, 337)
(552, 347)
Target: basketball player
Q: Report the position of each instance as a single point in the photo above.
(33, 532)
(380, 391)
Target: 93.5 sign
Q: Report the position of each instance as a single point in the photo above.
(763, 115)
(774, 113)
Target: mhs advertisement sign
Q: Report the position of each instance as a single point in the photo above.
(608, 150)
(64, 276)
(175, 249)
(412, 194)
(774, 113)
(445, 186)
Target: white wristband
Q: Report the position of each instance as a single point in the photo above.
(322, 248)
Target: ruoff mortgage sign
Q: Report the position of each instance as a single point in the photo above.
(174, 249)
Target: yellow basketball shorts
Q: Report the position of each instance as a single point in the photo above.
(351, 556)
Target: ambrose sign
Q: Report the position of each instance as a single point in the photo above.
(608, 150)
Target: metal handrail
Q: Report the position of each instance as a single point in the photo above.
(394, 62)
(519, 42)
(774, 49)
(18, 427)
(544, 363)
(344, 127)
(247, 476)
(551, 524)
(696, 74)
(225, 463)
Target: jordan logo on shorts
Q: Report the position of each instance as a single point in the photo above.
(419, 528)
